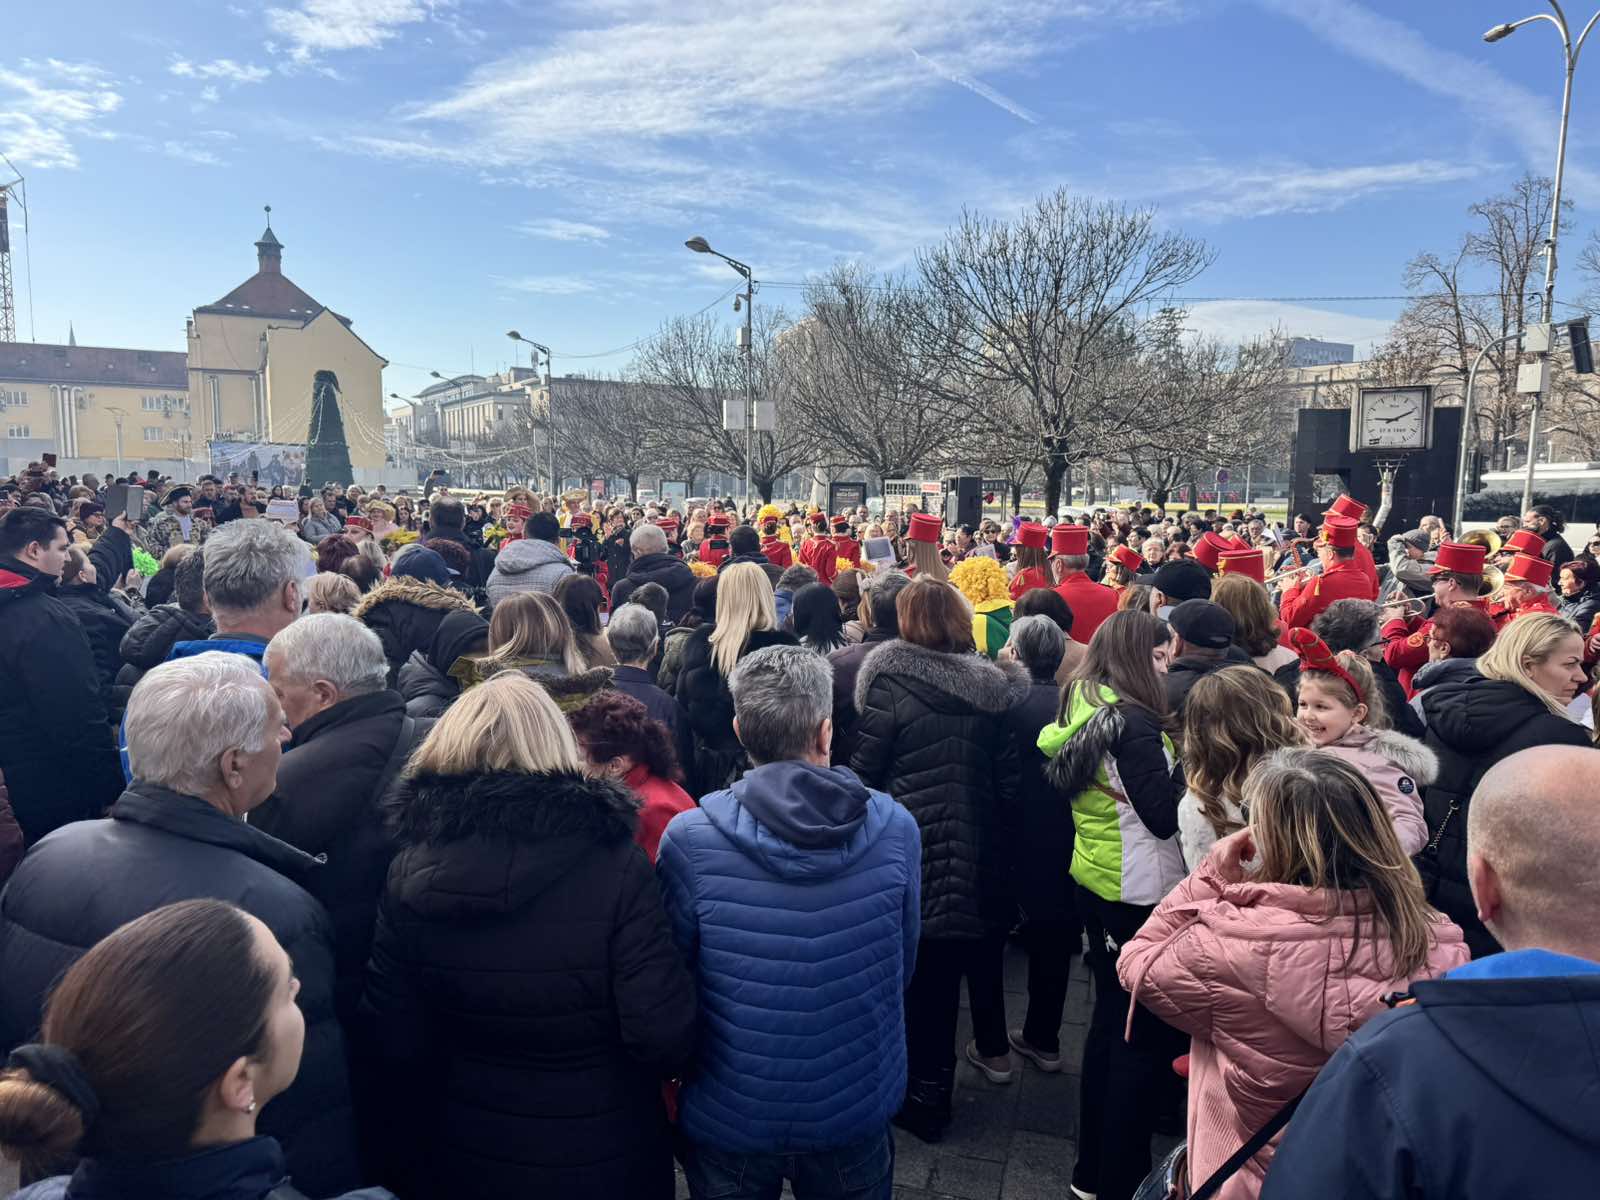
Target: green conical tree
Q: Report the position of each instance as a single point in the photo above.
(327, 455)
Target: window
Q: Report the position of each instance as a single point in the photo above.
(17, 399)
(154, 433)
(17, 431)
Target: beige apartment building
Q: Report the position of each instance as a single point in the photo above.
(253, 360)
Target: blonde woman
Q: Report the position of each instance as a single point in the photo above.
(522, 951)
(530, 633)
(1518, 698)
(327, 592)
(746, 620)
(1232, 719)
(1282, 944)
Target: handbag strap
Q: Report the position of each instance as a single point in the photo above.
(1246, 1152)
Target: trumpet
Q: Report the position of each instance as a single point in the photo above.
(1414, 604)
(1290, 573)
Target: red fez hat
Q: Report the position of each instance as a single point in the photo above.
(1031, 534)
(716, 521)
(1067, 538)
(924, 527)
(841, 524)
(1527, 568)
(668, 525)
(1126, 556)
(1524, 541)
(580, 518)
(1340, 532)
(1213, 546)
(1345, 505)
(358, 523)
(1460, 558)
(1251, 563)
(521, 511)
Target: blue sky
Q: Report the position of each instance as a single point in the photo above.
(444, 170)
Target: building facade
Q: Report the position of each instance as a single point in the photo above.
(252, 363)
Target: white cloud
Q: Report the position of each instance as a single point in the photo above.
(558, 230)
(185, 152)
(225, 69)
(993, 96)
(1528, 118)
(1236, 321)
(682, 71)
(326, 25)
(45, 105)
(545, 285)
(209, 94)
(1226, 192)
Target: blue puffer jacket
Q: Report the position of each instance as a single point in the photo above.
(794, 896)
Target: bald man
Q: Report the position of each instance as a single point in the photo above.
(1485, 1084)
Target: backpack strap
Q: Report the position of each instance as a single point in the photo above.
(391, 769)
(1246, 1152)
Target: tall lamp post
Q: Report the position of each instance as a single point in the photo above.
(1469, 430)
(1569, 62)
(549, 399)
(117, 414)
(700, 246)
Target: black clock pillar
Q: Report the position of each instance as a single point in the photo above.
(1424, 485)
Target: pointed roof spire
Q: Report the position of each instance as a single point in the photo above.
(269, 250)
(72, 337)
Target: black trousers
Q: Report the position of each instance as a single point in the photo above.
(1050, 946)
(933, 1001)
(1124, 1080)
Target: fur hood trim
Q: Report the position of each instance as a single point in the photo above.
(1407, 753)
(970, 678)
(510, 806)
(1075, 766)
(412, 591)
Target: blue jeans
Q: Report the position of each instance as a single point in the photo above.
(860, 1171)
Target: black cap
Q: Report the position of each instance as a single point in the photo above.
(1202, 623)
(1182, 580)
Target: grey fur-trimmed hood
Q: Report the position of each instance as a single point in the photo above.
(1074, 767)
(969, 678)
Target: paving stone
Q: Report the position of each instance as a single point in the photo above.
(1038, 1168)
(913, 1160)
(967, 1178)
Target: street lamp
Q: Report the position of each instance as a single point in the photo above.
(549, 398)
(700, 246)
(1569, 61)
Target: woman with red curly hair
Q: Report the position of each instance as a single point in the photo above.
(623, 743)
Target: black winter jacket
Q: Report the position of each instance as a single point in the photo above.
(1472, 725)
(425, 680)
(57, 752)
(525, 994)
(332, 781)
(933, 734)
(151, 638)
(637, 682)
(846, 663)
(671, 573)
(105, 618)
(405, 614)
(1044, 847)
(708, 750)
(159, 847)
(1185, 672)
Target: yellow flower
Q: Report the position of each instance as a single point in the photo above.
(980, 578)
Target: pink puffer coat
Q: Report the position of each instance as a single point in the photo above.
(1256, 974)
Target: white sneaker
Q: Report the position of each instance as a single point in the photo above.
(1081, 1194)
(995, 1074)
(1039, 1058)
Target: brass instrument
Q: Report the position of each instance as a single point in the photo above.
(1487, 538)
(1290, 573)
(1494, 579)
(1420, 603)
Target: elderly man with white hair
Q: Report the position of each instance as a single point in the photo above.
(654, 563)
(351, 736)
(205, 738)
(633, 635)
(1484, 1085)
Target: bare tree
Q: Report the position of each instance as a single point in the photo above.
(854, 384)
(1029, 303)
(1192, 399)
(693, 365)
(1473, 296)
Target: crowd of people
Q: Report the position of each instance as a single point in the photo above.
(467, 846)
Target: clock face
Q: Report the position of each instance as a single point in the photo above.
(1394, 420)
